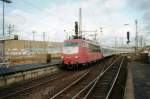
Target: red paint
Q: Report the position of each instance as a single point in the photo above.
(84, 54)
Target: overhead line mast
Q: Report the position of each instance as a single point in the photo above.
(80, 22)
(136, 36)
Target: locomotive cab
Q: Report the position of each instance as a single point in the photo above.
(70, 52)
(71, 48)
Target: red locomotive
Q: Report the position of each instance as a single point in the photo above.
(79, 51)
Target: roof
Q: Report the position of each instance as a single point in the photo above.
(85, 40)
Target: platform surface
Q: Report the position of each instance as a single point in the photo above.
(140, 74)
(129, 90)
(25, 67)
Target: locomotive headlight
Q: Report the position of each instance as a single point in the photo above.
(76, 57)
(62, 57)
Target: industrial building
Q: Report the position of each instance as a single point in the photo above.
(26, 51)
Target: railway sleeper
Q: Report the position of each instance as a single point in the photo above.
(102, 86)
(98, 97)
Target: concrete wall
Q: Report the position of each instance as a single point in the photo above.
(26, 51)
(6, 80)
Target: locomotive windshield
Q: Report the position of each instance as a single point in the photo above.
(71, 44)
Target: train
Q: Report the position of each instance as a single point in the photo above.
(78, 52)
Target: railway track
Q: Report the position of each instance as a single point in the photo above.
(78, 79)
(104, 84)
(13, 93)
(98, 86)
(83, 83)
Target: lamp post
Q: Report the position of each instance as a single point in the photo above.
(3, 30)
(4, 1)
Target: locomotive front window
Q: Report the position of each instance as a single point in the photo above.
(71, 44)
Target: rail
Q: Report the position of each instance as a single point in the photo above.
(56, 95)
(113, 83)
(25, 89)
(115, 79)
(38, 83)
(93, 82)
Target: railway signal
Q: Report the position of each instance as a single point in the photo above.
(76, 29)
(128, 37)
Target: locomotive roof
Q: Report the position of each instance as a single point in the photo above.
(85, 40)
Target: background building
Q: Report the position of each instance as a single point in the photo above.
(26, 51)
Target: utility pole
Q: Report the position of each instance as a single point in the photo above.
(33, 43)
(136, 36)
(95, 37)
(121, 42)
(33, 32)
(141, 41)
(9, 32)
(44, 51)
(44, 40)
(115, 45)
(9, 29)
(101, 30)
(80, 22)
(44, 36)
(67, 37)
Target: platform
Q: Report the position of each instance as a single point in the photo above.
(138, 81)
(26, 67)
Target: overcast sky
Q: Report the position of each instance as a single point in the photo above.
(55, 16)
